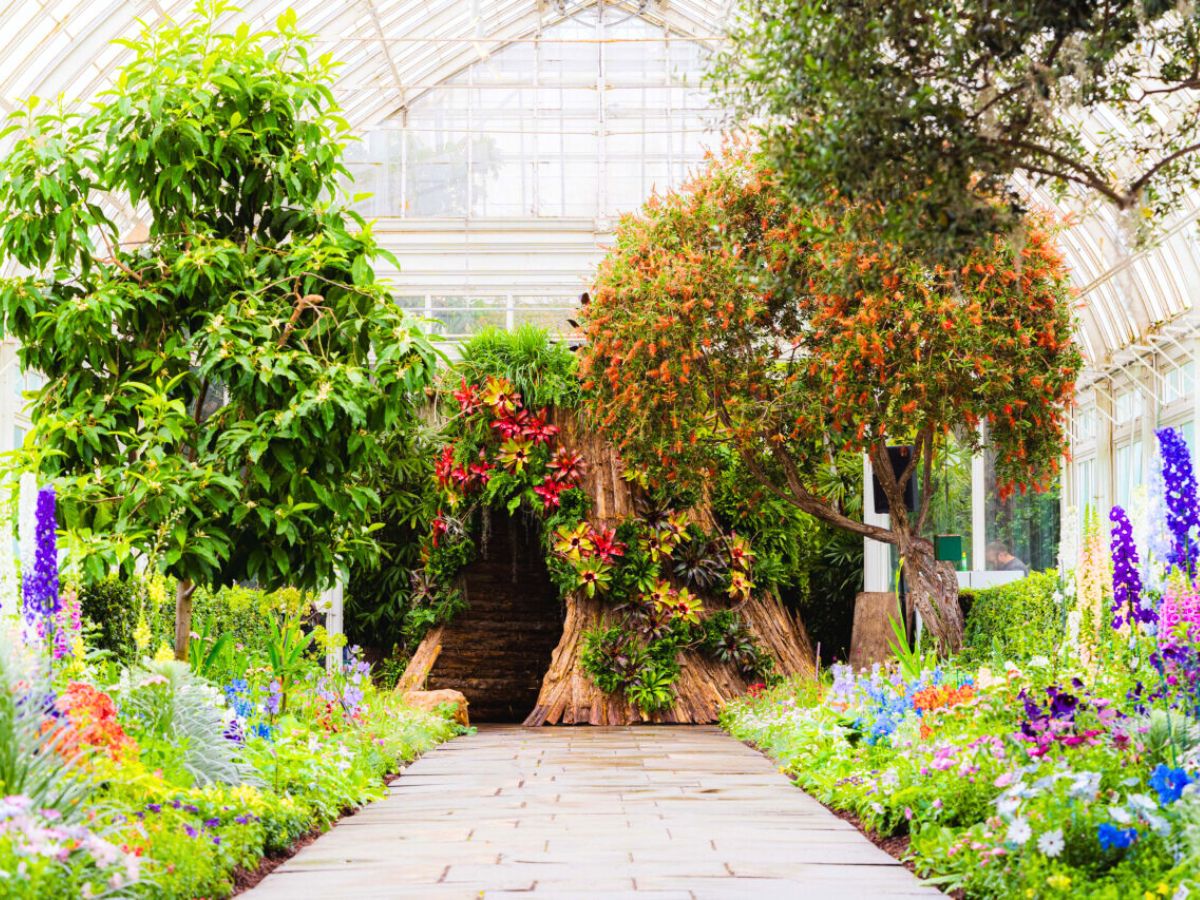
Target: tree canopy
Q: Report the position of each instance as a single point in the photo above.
(726, 316)
(217, 385)
(931, 107)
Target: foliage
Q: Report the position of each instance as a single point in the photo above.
(929, 111)
(110, 605)
(540, 369)
(1014, 621)
(815, 566)
(30, 766)
(726, 317)
(165, 701)
(199, 381)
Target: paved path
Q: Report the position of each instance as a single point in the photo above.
(644, 812)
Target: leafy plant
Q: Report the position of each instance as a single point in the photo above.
(179, 718)
(30, 732)
(286, 646)
(218, 395)
(704, 286)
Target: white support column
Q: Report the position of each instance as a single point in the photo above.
(979, 536)
(332, 600)
(877, 556)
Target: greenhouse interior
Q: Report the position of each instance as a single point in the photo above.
(599, 448)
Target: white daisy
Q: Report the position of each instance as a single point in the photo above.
(1051, 843)
(1019, 832)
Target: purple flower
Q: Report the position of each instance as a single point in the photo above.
(1180, 485)
(212, 823)
(1127, 583)
(274, 698)
(190, 831)
(40, 587)
(154, 807)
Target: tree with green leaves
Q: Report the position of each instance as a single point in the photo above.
(931, 110)
(727, 320)
(218, 389)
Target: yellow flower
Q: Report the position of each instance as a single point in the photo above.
(1059, 882)
(141, 634)
(1163, 888)
(164, 654)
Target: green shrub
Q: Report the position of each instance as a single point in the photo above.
(1014, 621)
(111, 608)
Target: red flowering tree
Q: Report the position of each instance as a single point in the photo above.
(724, 316)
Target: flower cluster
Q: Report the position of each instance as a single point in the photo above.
(1127, 603)
(40, 834)
(91, 720)
(591, 551)
(1183, 514)
(1066, 719)
(40, 586)
(343, 692)
(1179, 615)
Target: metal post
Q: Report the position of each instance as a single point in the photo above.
(333, 601)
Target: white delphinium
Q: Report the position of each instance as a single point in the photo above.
(27, 521)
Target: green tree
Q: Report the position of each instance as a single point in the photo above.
(727, 319)
(217, 389)
(927, 109)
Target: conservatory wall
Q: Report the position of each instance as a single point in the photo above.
(497, 188)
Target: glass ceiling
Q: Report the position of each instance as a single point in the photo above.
(393, 51)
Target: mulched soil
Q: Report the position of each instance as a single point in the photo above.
(244, 879)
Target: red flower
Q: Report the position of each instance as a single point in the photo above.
(512, 425)
(444, 466)
(567, 465)
(606, 544)
(468, 398)
(481, 471)
(538, 431)
(439, 527)
(755, 689)
(549, 491)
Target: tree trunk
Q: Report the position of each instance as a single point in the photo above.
(933, 587)
(183, 617)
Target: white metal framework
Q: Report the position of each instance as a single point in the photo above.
(502, 137)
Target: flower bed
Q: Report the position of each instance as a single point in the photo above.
(1074, 774)
(160, 778)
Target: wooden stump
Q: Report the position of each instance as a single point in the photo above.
(872, 630)
(567, 695)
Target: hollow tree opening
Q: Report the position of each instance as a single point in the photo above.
(497, 650)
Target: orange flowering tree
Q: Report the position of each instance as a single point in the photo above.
(724, 316)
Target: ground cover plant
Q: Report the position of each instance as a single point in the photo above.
(1071, 769)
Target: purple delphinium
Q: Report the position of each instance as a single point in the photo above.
(1127, 583)
(1180, 487)
(40, 587)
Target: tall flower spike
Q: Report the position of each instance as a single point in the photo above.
(27, 523)
(41, 583)
(1127, 583)
(1180, 495)
(9, 602)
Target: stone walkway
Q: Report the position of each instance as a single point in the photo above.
(644, 812)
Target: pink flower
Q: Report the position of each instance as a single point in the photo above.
(1003, 780)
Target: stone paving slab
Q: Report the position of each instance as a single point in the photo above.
(639, 813)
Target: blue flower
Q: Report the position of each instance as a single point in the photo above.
(1183, 513)
(1113, 838)
(1169, 783)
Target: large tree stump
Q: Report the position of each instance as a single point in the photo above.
(567, 695)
